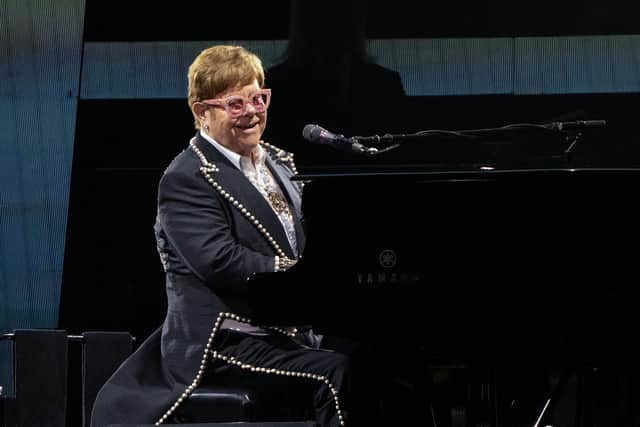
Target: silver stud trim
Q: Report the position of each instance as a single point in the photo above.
(206, 169)
(196, 381)
(205, 358)
(321, 378)
(284, 157)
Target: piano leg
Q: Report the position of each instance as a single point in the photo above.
(520, 395)
(587, 396)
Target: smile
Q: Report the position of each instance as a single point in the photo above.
(247, 127)
(250, 129)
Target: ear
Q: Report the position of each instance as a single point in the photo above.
(199, 110)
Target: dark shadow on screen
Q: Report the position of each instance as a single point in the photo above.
(327, 78)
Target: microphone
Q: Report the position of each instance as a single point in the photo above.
(319, 135)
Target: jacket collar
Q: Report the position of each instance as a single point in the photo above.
(232, 181)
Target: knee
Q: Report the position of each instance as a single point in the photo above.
(340, 369)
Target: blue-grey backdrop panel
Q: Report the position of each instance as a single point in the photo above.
(40, 56)
(427, 67)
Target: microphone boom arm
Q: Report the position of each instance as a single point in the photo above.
(360, 144)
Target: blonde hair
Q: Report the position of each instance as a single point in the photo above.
(219, 68)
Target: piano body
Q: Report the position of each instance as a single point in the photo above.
(469, 249)
(469, 265)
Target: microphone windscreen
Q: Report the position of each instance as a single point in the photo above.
(307, 132)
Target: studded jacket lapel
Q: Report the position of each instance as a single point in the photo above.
(237, 185)
(293, 196)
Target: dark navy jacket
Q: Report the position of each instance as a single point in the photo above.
(213, 230)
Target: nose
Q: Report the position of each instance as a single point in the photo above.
(249, 109)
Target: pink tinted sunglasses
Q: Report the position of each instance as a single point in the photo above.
(236, 105)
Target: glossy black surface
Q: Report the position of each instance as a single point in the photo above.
(498, 264)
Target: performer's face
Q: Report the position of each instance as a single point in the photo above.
(241, 130)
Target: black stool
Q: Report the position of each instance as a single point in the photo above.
(102, 353)
(216, 404)
(40, 378)
(248, 399)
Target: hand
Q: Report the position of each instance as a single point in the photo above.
(284, 263)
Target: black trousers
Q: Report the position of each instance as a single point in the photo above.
(274, 360)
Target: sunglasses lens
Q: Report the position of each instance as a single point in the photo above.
(235, 105)
(259, 101)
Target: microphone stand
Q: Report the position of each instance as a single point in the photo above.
(572, 132)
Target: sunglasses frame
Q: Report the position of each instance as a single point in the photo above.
(246, 100)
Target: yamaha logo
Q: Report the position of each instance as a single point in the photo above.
(387, 258)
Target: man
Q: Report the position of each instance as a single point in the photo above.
(226, 209)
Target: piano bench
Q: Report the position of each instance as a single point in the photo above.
(219, 404)
(242, 403)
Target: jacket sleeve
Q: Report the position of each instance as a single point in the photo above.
(196, 222)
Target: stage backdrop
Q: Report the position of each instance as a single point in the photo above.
(40, 57)
(92, 108)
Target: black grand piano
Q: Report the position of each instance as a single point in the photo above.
(495, 261)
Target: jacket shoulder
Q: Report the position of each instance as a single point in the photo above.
(184, 170)
(186, 159)
(280, 155)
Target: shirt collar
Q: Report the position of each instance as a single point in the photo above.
(235, 158)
